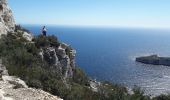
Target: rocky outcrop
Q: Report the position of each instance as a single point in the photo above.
(13, 88)
(28, 36)
(154, 60)
(3, 70)
(7, 22)
(94, 85)
(62, 57)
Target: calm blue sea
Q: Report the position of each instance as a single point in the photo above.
(109, 54)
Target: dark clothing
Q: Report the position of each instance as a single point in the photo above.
(44, 33)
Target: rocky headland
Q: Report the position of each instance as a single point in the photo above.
(154, 60)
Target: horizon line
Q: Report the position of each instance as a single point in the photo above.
(97, 26)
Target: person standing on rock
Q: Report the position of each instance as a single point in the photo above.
(44, 31)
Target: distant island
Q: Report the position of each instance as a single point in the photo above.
(154, 60)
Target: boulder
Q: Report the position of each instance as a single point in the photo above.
(27, 36)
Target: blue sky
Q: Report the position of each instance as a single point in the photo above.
(114, 13)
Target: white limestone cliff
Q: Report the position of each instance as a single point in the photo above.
(7, 22)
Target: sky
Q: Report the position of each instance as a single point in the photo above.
(111, 13)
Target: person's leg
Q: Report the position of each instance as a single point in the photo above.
(45, 33)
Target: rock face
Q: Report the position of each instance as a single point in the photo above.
(13, 88)
(25, 33)
(62, 57)
(7, 22)
(154, 60)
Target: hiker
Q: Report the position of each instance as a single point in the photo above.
(44, 31)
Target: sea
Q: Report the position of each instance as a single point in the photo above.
(108, 54)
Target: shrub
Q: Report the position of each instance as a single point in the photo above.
(53, 40)
(80, 77)
(41, 41)
(35, 83)
(79, 92)
(19, 27)
(31, 48)
(113, 92)
(139, 94)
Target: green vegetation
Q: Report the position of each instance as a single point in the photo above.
(42, 41)
(20, 28)
(22, 59)
(80, 77)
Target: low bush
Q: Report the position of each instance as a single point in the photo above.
(80, 77)
(19, 27)
(53, 41)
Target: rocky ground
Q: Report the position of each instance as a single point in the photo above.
(13, 88)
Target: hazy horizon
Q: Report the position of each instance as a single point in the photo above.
(100, 13)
